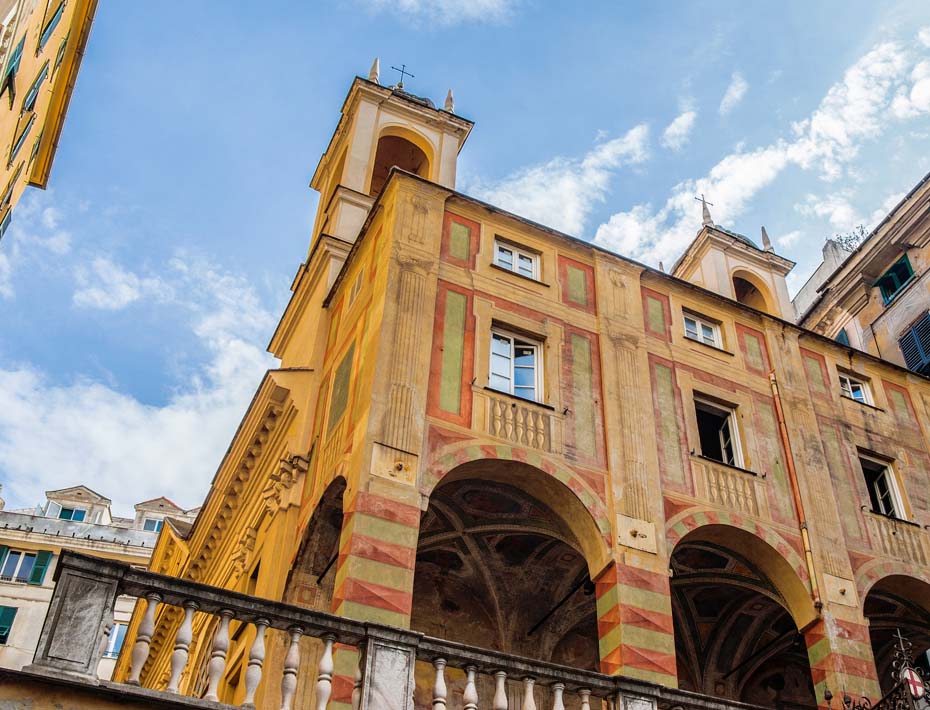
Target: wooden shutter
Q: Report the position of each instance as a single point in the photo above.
(43, 560)
(7, 614)
(915, 345)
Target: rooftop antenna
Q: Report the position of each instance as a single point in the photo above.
(705, 213)
(403, 72)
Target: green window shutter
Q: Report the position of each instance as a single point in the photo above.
(43, 560)
(7, 614)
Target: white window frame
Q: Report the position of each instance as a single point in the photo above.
(849, 385)
(23, 554)
(891, 480)
(523, 341)
(516, 253)
(701, 325)
(73, 511)
(158, 524)
(732, 425)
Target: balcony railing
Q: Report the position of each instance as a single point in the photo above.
(73, 641)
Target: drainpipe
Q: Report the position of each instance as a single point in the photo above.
(796, 491)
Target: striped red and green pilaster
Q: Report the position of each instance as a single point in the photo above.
(634, 624)
(840, 654)
(374, 574)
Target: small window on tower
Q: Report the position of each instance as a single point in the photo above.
(513, 258)
(703, 330)
(718, 432)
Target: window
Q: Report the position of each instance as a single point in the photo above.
(51, 24)
(895, 278)
(75, 514)
(22, 137)
(718, 432)
(855, 388)
(115, 641)
(520, 261)
(842, 337)
(30, 101)
(5, 222)
(23, 567)
(703, 330)
(61, 52)
(883, 490)
(12, 66)
(7, 614)
(515, 365)
(151, 525)
(915, 345)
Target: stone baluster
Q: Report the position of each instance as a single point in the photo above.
(500, 690)
(182, 646)
(357, 686)
(585, 699)
(529, 701)
(253, 673)
(324, 680)
(107, 630)
(439, 687)
(217, 663)
(470, 696)
(140, 651)
(291, 666)
(557, 690)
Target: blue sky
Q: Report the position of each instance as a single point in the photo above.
(138, 292)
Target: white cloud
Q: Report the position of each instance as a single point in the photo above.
(107, 286)
(562, 192)
(89, 432)
(856, 109)
(6, 274)
(734, 93)
(924, 36)
(789, 239)
(678, 132)
(836, 208)
(447, 12)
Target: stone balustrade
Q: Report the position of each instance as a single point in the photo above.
(897, 538)
(74, 636)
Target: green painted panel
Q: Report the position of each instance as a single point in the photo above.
(814, 374)
(460, 241)
(340, 393)
(670, 444)
(899, 404)
(583, 388)
(753, 352)
(577, 286)
(846, 496)
(781, 500)
(453, 353)
(655, 315)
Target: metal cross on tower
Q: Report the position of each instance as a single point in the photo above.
(705, 213)
(403, 72)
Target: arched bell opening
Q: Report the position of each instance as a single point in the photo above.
(398, 149)
(312, 578)
(749, 290)
(898, 604)
(735, 637)
(497, 567)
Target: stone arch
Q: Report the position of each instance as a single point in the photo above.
(875, 571)
(312, 575)
(403, 147)
(751, 290)
(562, 489)
(768, 550)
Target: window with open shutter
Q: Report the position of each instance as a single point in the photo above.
(55, 10)
(915, 345)
(7, 614)
(40, 567)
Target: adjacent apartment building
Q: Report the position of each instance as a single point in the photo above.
(41, 46)
(79, 519)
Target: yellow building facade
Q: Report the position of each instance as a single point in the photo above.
(41, 46)
(494, 433)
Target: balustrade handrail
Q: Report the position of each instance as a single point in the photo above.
(194, 597)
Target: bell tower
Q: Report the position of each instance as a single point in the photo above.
(382, 127)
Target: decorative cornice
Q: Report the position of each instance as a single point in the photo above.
(290, 472)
